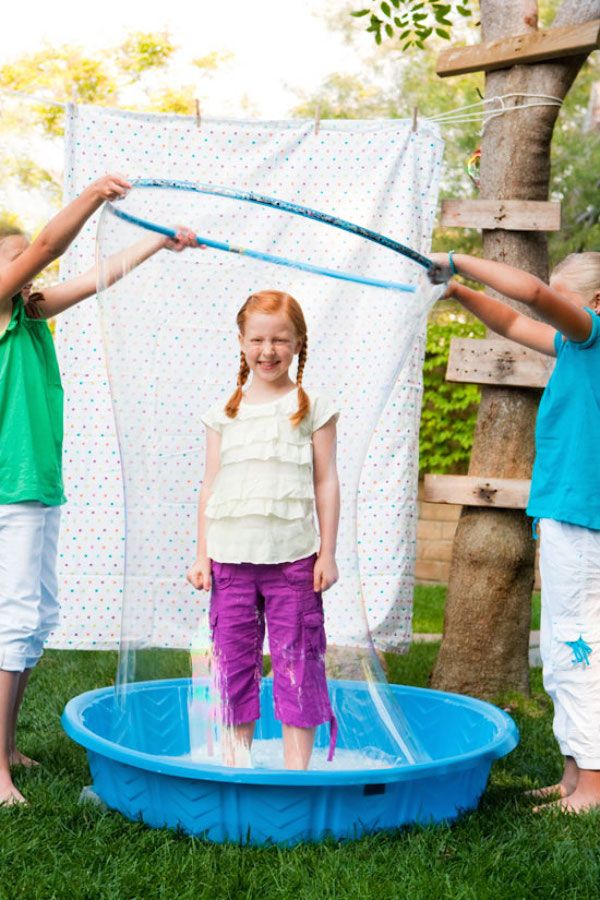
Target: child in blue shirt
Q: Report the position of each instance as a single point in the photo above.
(565, 493)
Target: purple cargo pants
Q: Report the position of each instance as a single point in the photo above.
(243, 596)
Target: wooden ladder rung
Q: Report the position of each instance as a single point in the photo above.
(497, 361)
(509, 215)
(471, 490)
(542, 45)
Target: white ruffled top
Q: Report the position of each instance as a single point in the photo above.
(261, 507)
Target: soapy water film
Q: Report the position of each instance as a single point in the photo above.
(171, 351)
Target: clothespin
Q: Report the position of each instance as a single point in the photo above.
(73, 103)
(198, 114)
(318, 117)
(415, 118)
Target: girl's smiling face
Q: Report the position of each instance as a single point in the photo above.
(269, 343)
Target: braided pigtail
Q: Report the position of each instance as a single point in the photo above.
(303, 400)
(233, 404)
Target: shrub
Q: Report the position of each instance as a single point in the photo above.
(449, 409)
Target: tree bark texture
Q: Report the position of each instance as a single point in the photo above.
(486, 631)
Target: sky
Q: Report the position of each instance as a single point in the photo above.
(277, 45)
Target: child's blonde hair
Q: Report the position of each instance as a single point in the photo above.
(582, 270)
(272, 302)
(7, 232)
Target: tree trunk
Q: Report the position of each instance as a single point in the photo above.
(486, 631)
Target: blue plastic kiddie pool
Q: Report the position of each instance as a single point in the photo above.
(166, 788)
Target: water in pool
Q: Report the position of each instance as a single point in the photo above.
(268, 754)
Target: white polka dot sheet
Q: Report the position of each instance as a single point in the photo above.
(171, 344)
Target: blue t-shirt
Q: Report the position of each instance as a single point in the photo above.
(565, 484)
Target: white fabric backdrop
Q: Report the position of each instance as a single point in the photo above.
(379, 174)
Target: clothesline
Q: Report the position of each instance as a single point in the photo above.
(33, 97)
(471, 112)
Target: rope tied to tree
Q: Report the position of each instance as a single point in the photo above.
(474, 112)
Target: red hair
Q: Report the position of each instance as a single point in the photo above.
(272, 302)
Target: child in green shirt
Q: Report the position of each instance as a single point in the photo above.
(31, 430)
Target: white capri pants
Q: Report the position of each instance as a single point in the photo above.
(570, 636)
(28, 585)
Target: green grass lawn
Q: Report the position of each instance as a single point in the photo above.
(428, 610)
(57, 848)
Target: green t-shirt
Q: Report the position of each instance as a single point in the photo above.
(31, 412)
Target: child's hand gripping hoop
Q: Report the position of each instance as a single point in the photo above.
(439, 274)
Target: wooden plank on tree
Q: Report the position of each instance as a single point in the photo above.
(533, 46)
(511, 215)
(494, 361)
(470, 490)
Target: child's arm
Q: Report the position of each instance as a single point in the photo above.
(555, 309)
(327, 502)
(58, 298)
(54, 239)
(505, 320)
(199, 573)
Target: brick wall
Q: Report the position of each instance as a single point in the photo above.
(435, 534)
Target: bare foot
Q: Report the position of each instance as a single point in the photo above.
(19, 759)
(585, 797)
(577, 802)
(552, 790)
(563, 788)
(11, 796)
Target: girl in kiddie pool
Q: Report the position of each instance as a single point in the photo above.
(31, 432)
(270, 464)
(564, 500)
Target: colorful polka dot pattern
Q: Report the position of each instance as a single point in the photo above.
(171, 347)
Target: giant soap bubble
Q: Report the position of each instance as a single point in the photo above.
(171, 351)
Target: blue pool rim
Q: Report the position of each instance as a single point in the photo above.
(505, 740)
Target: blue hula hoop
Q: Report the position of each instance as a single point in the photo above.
(285, 206)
